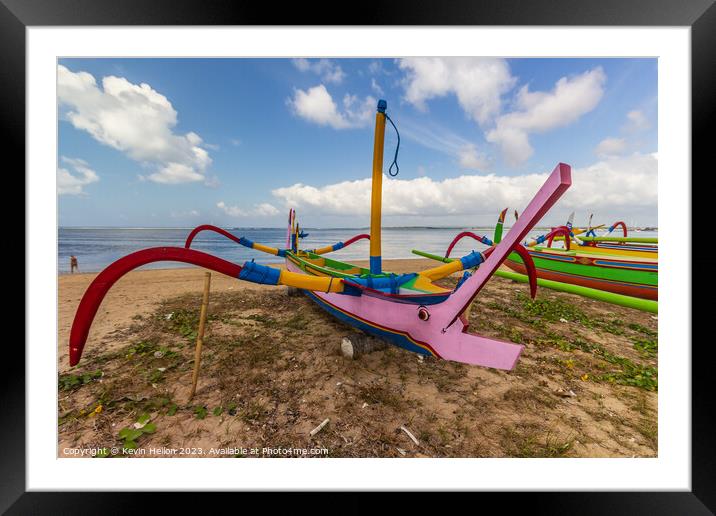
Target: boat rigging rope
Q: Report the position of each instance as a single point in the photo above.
(397, 148)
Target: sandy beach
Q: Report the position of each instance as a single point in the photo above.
(140, 292)
(586, 385)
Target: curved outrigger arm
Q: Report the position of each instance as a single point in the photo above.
(560, 230)
(265, 248)
(340, 245)
(577, 232)
(558, 233)
(460, 236)
(616, 225)
(460, 264)
(249, 271)
(239, 240)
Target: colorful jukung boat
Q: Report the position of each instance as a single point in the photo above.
(638, 247)
(628, 272)
(625, 272)
(621, 275)
(408, 310)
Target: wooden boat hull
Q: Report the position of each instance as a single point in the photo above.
(611, 274)
(617, 248)
(399, 324)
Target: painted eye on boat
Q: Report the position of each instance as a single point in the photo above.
(423, 314)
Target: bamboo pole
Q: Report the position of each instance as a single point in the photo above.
(200, 334)
(376, 190)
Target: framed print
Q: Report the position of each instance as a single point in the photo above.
(418, 251)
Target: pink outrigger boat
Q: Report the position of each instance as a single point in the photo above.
(408, 310)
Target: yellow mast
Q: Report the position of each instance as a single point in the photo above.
(377, 189)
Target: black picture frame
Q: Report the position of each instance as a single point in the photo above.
(700, 15)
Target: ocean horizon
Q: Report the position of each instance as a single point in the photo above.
(97, 247)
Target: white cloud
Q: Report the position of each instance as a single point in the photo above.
(328, 70)
(233, 211)
(441, 139)
(478, 83)
(636, 121)
(470, 158)
(263, 210)
(611, 147)
(316, 105)
(175, 173)
(266, 209)
(136, 120)
(538, 112)
(618, 184)
(73, 184)
(376, 87)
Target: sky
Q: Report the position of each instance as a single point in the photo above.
(237, 142)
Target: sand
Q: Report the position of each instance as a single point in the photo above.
(138, 293)
(272, 371)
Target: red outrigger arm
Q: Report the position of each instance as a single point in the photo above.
(560, 230)
(518, 248)
(355, 239)
(530, 266)
(209, 227)
(617, 224)
(464, 234)
(95, 293)
(264, 248)
(526, 259)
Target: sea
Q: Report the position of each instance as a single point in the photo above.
(95, 248)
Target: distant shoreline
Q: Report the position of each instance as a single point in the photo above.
(252, 228)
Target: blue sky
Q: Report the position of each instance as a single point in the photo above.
(236, 142)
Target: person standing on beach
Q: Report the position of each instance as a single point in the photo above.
(73, 264)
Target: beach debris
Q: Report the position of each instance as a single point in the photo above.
(364, 405)
(158, 354)
(565, 394)
(409, 434)
(401, 451)
(169, 316)
(655, 317)
(142, 421)
(563, 320)
(319, 427)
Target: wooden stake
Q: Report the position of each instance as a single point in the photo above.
(200, 334)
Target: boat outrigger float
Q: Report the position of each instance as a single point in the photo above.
(408, 310)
